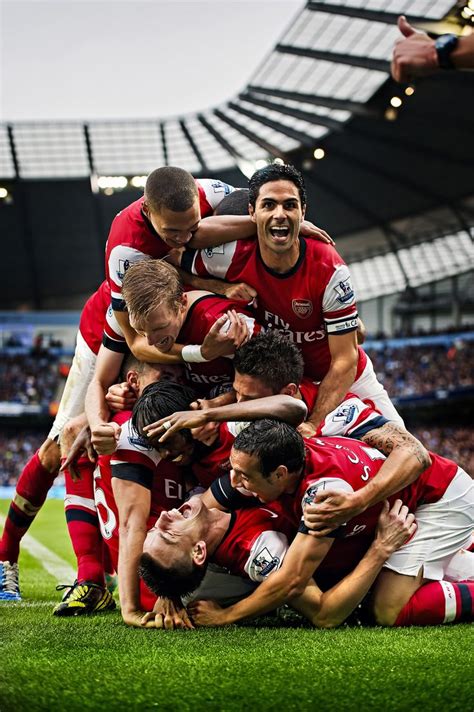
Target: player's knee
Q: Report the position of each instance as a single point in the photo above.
(49, 455)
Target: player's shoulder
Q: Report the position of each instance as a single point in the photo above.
(324, 253)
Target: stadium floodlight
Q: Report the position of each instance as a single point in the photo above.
(395, 101)
(319, 153)
(113, 182)
(138, 181)
(3, 193)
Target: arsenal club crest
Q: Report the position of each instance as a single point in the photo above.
(302, 307)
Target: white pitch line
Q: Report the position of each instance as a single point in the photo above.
(54, 565)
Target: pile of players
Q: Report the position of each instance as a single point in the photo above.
(219, 400)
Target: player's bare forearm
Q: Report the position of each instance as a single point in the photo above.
(219, 229)
(406, 460)
(331, 608)
(282, 407)
(301, 560)
(96, 408)
(332, 389)
(209, 284)
(133, 503)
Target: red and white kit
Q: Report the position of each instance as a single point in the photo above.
(88, 341)
(132, 237)
(255, 543)
(202, 315)
(309, 302)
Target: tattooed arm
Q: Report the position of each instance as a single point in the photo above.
(406, 460)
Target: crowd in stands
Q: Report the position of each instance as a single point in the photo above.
(29, 379)
(418, 370)
(15, 451)
(33, 378)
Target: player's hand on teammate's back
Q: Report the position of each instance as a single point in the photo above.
(105, 437)
(306, 429)
(168, 615)
(82, 444)
(395, 527)
(330, 510)
(239, 290)
(206, 613)
(226, 334)
(309, 229)
(120, 397)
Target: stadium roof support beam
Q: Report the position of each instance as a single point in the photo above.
(164, 146)
(24, 215)
(328, 101)
(194, 147)
(296, 113)
(219, 138)
(268, 147)
(362, 13)
(303, 139)
(380, 65)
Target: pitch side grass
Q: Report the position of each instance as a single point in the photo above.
(96, 663)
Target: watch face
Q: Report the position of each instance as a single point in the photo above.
(444, 46)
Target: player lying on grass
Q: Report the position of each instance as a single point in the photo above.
(253, 543)
(270, 460)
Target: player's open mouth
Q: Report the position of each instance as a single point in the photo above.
(280, 233)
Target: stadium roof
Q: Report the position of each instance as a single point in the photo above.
(396, 163)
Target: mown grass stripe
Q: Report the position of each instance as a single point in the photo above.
(54, 565)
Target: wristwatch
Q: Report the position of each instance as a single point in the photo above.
(444, 45)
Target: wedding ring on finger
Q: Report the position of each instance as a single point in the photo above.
(167, 425)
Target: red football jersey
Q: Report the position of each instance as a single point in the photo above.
(346, 464)
(201, 316)
(132, 237)
(92, 322)
(136, 461)
(314, 299)
(255, 543)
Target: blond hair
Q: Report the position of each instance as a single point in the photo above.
(149, 285)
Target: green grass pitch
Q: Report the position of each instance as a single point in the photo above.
(89, 664)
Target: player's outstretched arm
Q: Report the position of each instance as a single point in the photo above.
(104, 435)
(282, 407)
(133, 504)
(336, 382)
(301, 560)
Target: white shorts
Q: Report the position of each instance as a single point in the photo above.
(80, 375)
(444, 527)
(367, 386)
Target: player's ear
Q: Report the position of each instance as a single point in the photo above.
(200, 553)
(132, 380)
(252, 212)
(281, 471)
(291, 389)
(303, 210)
(146, 209)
